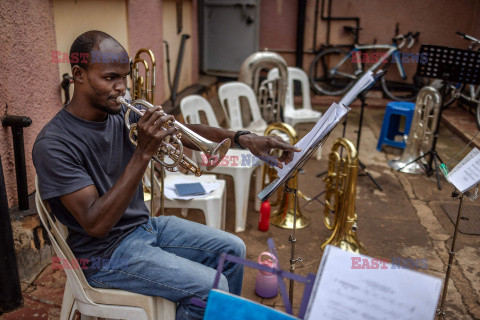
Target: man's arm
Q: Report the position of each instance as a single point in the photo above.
(98, 215)
(259, 146)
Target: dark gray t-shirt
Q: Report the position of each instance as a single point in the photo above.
(71, 153)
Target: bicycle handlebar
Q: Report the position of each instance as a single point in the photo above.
(467, 37)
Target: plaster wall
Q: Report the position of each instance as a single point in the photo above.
(170, 35)
(145, 31)
(29, 82)
(72, 18)
(436, 20)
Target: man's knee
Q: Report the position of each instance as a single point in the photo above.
(223, 284)
(237, 247)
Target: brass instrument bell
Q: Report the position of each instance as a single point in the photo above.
(283, 216)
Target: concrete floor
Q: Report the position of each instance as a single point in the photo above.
(404, 220)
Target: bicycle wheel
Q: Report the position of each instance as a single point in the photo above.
(398, 89)
(452, 93)
(324, 79)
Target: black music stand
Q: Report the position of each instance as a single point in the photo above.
(362, 97)
(447, 64)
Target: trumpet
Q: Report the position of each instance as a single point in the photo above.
(172, 147)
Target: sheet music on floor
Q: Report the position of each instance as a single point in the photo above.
(345, 289)
(466, 173)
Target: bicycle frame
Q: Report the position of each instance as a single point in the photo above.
(391, 50)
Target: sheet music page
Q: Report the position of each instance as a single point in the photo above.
(362, 83)
(346, 289)
(467, 173)
(326, 123)
(469, 156)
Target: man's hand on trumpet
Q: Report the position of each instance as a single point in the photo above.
(150, 132)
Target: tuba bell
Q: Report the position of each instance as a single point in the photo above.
(341, 191)
(283, 216)
(420, 138)
(270, 94)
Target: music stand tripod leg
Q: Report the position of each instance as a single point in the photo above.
(441, 311)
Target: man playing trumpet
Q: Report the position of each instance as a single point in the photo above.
(90, 174)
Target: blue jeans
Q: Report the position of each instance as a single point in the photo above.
(174, 259)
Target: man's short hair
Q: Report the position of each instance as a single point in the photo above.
(84, 44)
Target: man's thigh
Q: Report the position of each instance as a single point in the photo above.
(140, 265)
(194, 241)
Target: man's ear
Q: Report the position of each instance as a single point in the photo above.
(78, 74)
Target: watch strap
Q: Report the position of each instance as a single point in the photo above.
(237, 136)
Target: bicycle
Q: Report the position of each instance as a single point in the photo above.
(470, 93)
(338, 79)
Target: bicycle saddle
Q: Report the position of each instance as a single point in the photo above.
(351, 29)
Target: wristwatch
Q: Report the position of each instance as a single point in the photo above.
(237, 135)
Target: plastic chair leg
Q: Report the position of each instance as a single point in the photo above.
(242, 190)
(184, 212)
(213, 219)
(67, 303)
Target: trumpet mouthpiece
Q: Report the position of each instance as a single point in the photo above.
(121, 100)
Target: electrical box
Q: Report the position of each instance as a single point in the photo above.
(228, 34)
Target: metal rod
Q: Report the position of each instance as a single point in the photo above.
(10, 290)
(441, 312)
(176, 77)
(302, 7)
(18, 123)
(293, 260)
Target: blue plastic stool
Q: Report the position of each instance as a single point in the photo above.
(391, 123)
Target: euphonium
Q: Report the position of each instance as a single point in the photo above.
(270, 94)
(341, 184)
(143, 88)
(172, 147)
(283, 216)
(420, 138)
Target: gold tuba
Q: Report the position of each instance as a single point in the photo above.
(420, 138)
(270, 94)
(143, 88)
(283, 216)
(341, 185)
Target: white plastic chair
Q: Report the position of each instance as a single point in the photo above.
(305, 114)
(291, 115)
(95, 302)
(230, 95)
(191, 107)
(213, 204)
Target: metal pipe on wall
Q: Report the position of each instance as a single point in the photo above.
(10, 289)
(302, 8)
(18, 123)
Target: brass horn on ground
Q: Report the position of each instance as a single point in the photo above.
(341, 191)
(420, 138)
(270, 94)
(283, 216)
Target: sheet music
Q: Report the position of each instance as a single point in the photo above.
(343, 292)
(364, 82)
(318, 134)
(466, 173)
(326, 123)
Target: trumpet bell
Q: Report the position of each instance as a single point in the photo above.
(217, 154)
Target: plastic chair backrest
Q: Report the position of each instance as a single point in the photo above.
(191, 107)
(294, 74)
(231, 93)
(75, 275)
